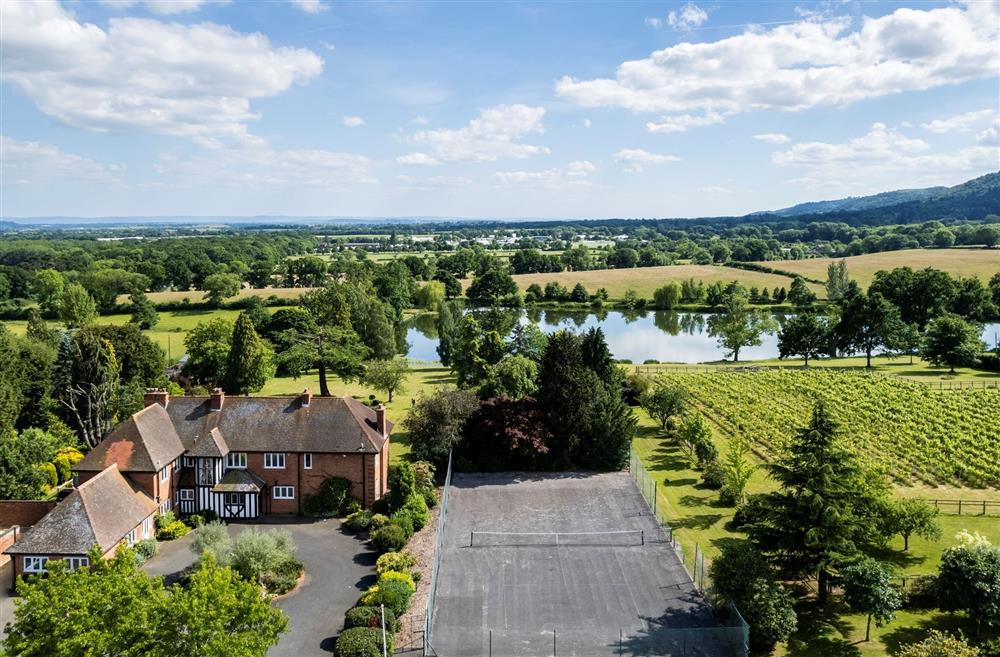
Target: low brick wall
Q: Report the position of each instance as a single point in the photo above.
(24, 513)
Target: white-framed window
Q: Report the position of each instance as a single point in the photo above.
(274, 461)
(77, 562)
(130, 538)
(164, 474)
(187, 494)
(188, 461)
(147, 527)
(35, 564)
(236, 460)
(283, 492)
(307, 461)
(164, 506)
(234, 498)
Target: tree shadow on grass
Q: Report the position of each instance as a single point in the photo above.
(897, 638)
(696, 500)
(700, 522)
(822, 632)
(897, 558)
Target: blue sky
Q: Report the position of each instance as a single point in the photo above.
(170, 107)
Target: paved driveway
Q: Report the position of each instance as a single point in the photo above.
(339, 567)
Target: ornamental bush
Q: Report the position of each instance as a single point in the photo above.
(266, 557)
(369, 617)
(400, 562)
(49, 473)
(330, 500)
(401, 484)
(395, 576)
(359, 521)
(172, 530)
(379, 520)
(144, 550)
(404, 521)
(416, 507)
(394, 594)
(63, 468)
(390, 538)
(362, 642)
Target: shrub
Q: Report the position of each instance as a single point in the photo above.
(359, 521)
(330, 500)
(264, 556)
(171, 531)
(209, 515)
(401, 484)
(379, 521)
(72, 454)
(430, 498)
(144, 550)
(164, 519)
(423, 476)
(195, 520)
(395, 595)
(369, 617)
(212, 537)
(404, 521)
(713, 475)
(396, 576)
(352, 506)
(284, 578)
(362, 642)
(49, 473)
(63, 468)
(400, 562)
(390, 538)
(749, 512)
(417, 508)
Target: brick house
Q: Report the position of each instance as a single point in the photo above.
(106, 511)
(244, 457)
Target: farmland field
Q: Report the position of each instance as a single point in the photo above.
(197, 296)
(918, 435)
(957, 262)
(644, 280)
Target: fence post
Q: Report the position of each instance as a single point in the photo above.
(960, 507)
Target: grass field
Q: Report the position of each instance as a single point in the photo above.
(644, 280)
(958, 262)
(197, 296)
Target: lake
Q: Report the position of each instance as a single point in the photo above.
(637, 336)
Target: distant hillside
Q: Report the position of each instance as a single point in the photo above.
(973, 200)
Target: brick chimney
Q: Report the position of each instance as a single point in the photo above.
(156, 396)
(217, 398)
(306, 397)
(380, 421)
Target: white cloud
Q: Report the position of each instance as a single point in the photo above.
(689, 16)
(715, 189)
(587, 123)
(352, 121)
(988, 137)
(805, 64)
(654, 23)
(681, 122)
(310, 6)
(329, 46)
(142, 74)
(163, 7)
(635, 159)
(26, 162)
(431, 182)
(419, 120)
(883, 158)
(419, 159)
(772, 138)
(961, 122)
(493, 135)
(574, 175)
(265, 166)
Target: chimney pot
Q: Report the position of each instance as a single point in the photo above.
(218, 396)
(380, 421)
(306, 397)
(156, 396)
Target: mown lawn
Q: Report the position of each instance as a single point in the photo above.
(957, 262)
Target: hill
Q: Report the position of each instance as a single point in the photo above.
(973, 199)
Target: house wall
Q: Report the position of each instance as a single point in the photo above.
(23, 513)
(139, 535)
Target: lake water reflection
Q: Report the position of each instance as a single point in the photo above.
(636, 336)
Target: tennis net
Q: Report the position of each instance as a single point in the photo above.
(628, 537)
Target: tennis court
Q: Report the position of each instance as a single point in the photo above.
(564, 564)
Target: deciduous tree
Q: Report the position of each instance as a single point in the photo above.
(868, 590)
(739, 325)
(388, 376)
(952, 341)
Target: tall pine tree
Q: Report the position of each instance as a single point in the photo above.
(250, 363)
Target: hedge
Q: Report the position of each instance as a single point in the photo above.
(362, 642)
(369, 617)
